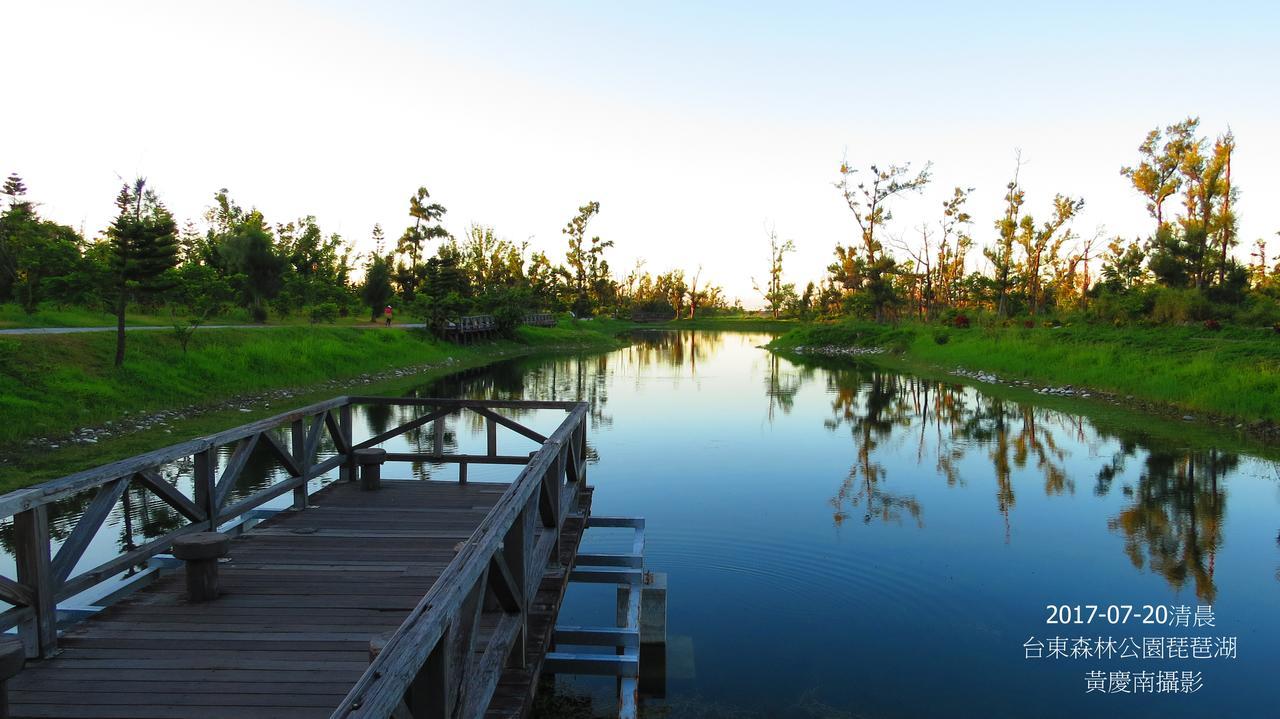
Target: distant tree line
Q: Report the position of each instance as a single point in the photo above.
(238, 261)
(1034, 267)
(1037, 266)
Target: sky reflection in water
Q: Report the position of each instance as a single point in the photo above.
(847, 541)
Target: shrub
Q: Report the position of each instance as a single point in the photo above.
(326, 312)
(508, 305)
(1212, 325)
(1261, 311)
(1179, 306)
(1029, 324)
(961, 322)
(941, 338)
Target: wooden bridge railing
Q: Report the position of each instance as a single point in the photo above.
(434, 666)
(540, 319)
(45, 577)
(471, 326)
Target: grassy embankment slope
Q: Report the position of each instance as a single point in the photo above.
(1234, 372)
(12, 317)
(53, 385)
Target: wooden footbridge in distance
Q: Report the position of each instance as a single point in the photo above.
(374, 595)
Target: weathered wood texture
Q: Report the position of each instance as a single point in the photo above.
(43, 580)
(301, 597)
(458, 571)
(513, 696)
(438, 663)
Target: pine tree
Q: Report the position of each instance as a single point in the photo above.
(144, 244)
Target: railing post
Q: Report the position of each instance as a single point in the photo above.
(347, 472)
(517, 546)
(549, 501)
(580, 438)
(31, 552)
(12, 659)
(491, 435)
(437, 429)
(431, 695)
(205, 471)
(297, 433)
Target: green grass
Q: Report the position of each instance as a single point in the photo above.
(1233, 373)
(50, 315)
(54, 384)
(12, 316)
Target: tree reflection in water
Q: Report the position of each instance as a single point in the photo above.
(1171, 522)
(1172, 525)
(872, 404)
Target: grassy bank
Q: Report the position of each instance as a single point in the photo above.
(1230, 373)
(49, 315)
(54, 385)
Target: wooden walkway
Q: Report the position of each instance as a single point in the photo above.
(302, 595)
(469, 577)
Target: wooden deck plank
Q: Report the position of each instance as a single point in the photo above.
(290, 633)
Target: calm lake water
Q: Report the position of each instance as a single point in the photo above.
(846, 541)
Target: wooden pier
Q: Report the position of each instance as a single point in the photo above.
(374, 596)
(471, 327)
(540, 319)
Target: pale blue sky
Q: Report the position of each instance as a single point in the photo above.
(693, 124)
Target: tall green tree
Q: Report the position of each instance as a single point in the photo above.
(1156, 175)
(777, 293)
(375, 291)
(869, 269)
(1007, 228)
(1041, 245)
(248, 253)
(144, 245)
(426, 226)
(1193, 250)
(36, 255)
(317, 265)
(588, 268)
(1123, 264)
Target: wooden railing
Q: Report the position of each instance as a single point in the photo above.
(44, 577)
(540, 319)
(432, 666)
(470, 325)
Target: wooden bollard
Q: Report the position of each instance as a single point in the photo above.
(370, 461)
(12, 658)
(201, 552)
